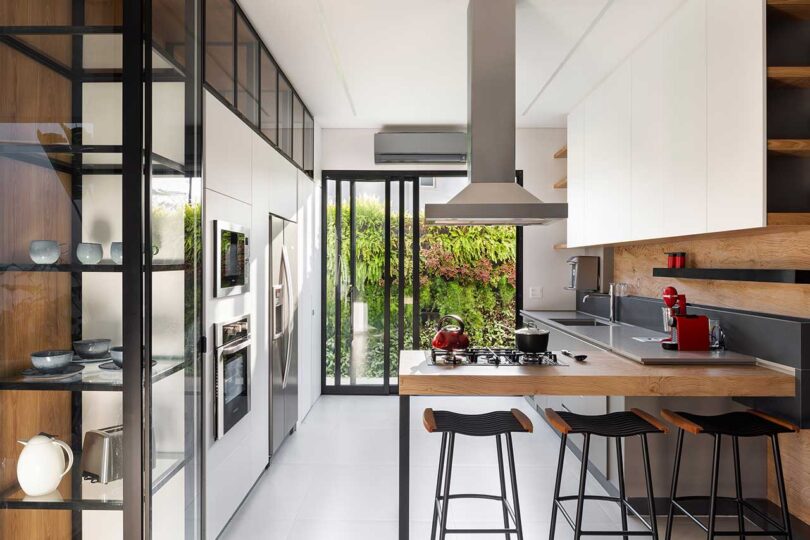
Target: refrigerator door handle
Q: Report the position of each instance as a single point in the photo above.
(290, 314)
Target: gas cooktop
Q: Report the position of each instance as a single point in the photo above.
(485, 356)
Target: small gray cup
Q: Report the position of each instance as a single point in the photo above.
(117, 252)
(89, 253)
(44, 251)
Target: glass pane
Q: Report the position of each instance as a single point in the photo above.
(309, 144)
(269, 101)
(298, 131)
(330, 283)
(219, 41)
(247, 70)
(467, 271)
(285, 115)
(175, 209)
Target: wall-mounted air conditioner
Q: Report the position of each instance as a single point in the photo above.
(410, 147)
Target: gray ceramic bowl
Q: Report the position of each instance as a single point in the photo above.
(92, 348)
(117, 354)
(51, 361)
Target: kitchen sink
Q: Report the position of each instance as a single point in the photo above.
(579, 322)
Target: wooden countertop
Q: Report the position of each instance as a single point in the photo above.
(602, 374)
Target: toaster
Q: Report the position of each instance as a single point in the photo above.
(103, 454)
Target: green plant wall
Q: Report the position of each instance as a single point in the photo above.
(467, 271)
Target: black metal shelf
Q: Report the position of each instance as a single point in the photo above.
(87, 495)
(102, 267)
(736, 274)
(92, 379)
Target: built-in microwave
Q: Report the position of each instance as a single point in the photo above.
(231, 373)
(231, 258)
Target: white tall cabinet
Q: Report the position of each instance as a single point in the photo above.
(673, 142)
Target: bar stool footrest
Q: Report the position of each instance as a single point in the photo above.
(779, 528)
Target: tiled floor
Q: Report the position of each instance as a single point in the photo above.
(336, 477)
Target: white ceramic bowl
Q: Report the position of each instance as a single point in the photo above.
(117, 354)
(52, 360)
(117, 252)
(44, 251)
(89, 253)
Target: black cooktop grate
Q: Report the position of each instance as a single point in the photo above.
(485, 356)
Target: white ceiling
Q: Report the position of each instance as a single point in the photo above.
(373, 63)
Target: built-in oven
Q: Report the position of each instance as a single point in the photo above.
(231, 258)
(231, 373)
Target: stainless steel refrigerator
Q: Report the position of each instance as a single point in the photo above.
(283, 330)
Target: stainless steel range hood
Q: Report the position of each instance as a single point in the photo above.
(493, 197)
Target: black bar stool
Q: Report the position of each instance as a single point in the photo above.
(735, 424)
(618, 425)
(477, 425)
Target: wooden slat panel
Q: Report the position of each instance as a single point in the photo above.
(790, 147)
(799, 9)
(790, 76)
(785, 249)
(40, 13)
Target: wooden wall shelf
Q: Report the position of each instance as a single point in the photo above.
(561, 245)
(799, 9)
(790, 76)
(789, 147)
(736, 274)
(561, 153)
(561, 184)
(788, 218)
(102, 267)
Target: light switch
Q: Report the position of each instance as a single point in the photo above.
(535, 292)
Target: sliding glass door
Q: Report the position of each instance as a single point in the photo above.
(368, 278)
(387, 283)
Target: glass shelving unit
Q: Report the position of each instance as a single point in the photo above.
(68, 73)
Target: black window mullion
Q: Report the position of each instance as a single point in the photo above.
(352, 272)
(235, 44)
(401, 273)
(338, 257)
(415, 273)
(387, 292)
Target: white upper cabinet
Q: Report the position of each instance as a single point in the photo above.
(279, 176)
(736, 114)
(684, 126)
(673, 142)
(647, 145)
(228, 142)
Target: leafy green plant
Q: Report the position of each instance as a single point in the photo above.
(467, 271)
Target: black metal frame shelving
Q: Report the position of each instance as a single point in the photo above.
(136, 163)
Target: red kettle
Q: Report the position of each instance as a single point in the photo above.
(450, 337)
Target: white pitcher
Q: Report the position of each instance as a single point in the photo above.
(42, 464)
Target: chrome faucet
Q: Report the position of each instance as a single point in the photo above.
(612, 294)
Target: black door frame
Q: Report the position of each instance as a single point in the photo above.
(388, 177)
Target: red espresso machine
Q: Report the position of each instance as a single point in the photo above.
(686, 332)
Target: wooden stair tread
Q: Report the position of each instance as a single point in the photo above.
(561, 153)
(799, 9)
(791, 147)
(798, 76)
(562, 183)
(561, 245)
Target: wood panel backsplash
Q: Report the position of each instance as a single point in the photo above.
(780, 248)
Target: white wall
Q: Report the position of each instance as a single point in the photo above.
(543, 267)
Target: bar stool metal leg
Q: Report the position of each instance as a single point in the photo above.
(648, 478)
(780, 481)
(503, 486)
(438, 488)
(582, 477)
(446, 499)
(622, 495)
(715, 477)
(673, 493)
(557, 484)
(735, 441)
(513, 477)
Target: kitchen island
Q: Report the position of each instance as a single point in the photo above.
(601, 374)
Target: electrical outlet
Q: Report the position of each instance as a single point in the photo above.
(535, 292)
